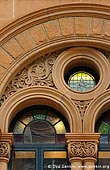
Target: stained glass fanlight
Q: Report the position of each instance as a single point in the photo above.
(38, 125)
(81, 81)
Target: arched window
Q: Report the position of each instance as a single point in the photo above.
(39, 139)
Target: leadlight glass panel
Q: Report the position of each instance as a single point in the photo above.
(18, 138)
(37, 129)
(81, 81)
(103, 127)
(27, 118)
(60, 128)
(39, 114)
(19, 128)
(53, 119)
(38, 125)
(60, 138)
(39, 132)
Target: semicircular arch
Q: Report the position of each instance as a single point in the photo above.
(40, 96)
(20, 39)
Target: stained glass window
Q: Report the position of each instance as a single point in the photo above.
(81, 81)
(103, 127)
(39, 125)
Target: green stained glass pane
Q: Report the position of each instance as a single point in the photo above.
(40, 114)
(104, 128)
(39, 117)
(27, 118)
(60, 128)
(19, 128)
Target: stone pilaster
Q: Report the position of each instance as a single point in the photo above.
(82, 150)
(6, 140)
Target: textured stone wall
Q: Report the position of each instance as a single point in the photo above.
(12, 9)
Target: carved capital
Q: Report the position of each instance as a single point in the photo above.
(5, 146)
(82, 145)
(82, 149)
(4, 149)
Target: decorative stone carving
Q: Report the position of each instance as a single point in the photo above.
(38, 73)
(82, 149)
(6, 142)
(4, 149)
(82, 146)
(82, 106)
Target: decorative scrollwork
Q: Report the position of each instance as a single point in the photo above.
(82, 149)
(4, 149)
(37, 73)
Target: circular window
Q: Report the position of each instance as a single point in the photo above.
(79, 71)
(81, 79)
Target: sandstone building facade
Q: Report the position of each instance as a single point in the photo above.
(54, 84)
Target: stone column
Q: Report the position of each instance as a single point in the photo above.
(5, 148)
(82, 150)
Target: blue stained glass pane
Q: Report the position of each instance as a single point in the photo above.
(104, 139)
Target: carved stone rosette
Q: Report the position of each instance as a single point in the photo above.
(82, 145)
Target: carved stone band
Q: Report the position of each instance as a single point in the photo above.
(82, 149)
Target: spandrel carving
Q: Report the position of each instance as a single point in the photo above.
(38, 73)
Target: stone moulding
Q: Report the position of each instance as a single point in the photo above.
(47, 14)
